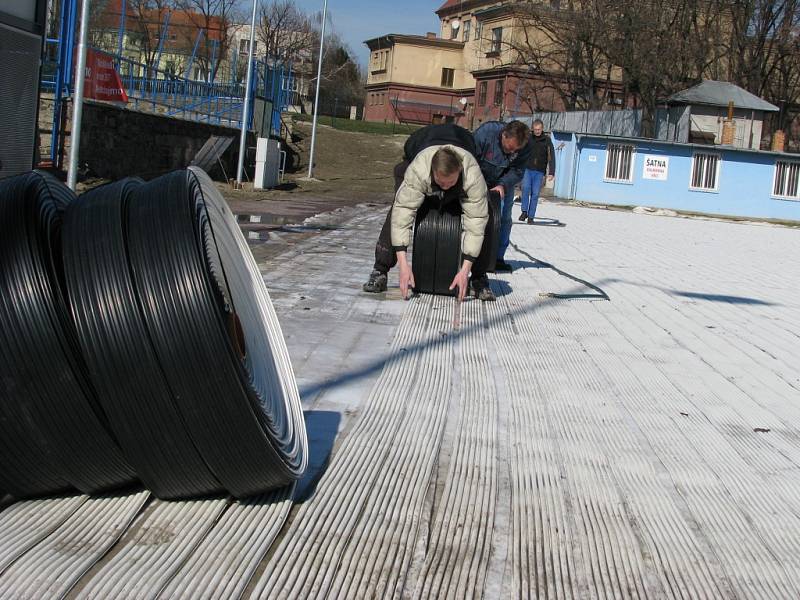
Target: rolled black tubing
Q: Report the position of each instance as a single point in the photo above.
(44, 377)
(131, 385)
(168, 239)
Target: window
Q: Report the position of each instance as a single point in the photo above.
(497, 39)
(787, 180)
(244, 46)
(482, 93)
(478, 30)
(379, 60)
(467, 27)
(447, 77)
(498, 93)
(619, 162)
(705, 172)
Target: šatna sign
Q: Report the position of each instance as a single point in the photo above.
(655, 167)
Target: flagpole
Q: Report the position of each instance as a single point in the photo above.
(77, 100)
(247, 98)
(316, 95)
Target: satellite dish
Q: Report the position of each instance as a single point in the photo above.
(462, 101)
(455, 23)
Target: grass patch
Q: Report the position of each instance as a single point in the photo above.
(359, 126)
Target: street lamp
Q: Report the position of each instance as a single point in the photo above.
(247, 97)
(316, 95)
(77, 100)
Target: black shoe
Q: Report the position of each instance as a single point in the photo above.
(481, 289)
(523, 216)
(530, 220)
(376, 283)
(502, 266)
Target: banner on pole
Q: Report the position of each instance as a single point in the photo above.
(101, 80)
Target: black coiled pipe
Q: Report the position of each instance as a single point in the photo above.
(491, 237)
(53, 432)
(437, 246)
(132, 386)
(437, 250)
(214, 333)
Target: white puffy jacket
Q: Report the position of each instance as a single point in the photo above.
(418, 183)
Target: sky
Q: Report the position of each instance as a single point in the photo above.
(359, 20)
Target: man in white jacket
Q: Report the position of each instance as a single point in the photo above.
(440, 175)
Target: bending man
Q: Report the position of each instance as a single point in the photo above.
(439, 175)
(503, 150)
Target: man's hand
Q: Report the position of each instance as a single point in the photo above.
(461, 280)
(406, 275)
(500, 190)
(549, 178)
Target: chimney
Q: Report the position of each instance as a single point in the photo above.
(430, 35)
(729, 128)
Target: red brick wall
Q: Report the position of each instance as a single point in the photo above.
(415, 105)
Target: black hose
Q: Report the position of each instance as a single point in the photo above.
(123, 365)
(491, 237)
(53, 432)
(214, 333)
(423, 261)
(437, 249)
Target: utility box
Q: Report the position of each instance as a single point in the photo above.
(268, 164)
(21, 36)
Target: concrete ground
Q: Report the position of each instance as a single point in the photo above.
(624, 422)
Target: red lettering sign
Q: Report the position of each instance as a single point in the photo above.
(101, 80)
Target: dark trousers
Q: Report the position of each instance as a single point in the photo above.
(385, 256)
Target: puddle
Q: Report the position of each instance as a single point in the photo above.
(264, 219)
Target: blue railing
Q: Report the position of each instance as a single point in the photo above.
(161, 91)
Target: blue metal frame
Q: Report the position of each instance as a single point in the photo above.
(210, 102)
(188, 73)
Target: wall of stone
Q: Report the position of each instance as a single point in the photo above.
(118, 142)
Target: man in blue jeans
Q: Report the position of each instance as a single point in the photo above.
(542, 158)
(503, 150)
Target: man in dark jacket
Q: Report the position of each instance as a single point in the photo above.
(502, 151)
(541, 160)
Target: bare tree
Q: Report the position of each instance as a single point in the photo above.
(764, 46)
(584, 49)
(217, 19)
(286, 33)
(564, 45)
(662, 47)
(145, 25)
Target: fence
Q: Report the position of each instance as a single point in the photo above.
(623, 123)
(672, 124)
(152, 89)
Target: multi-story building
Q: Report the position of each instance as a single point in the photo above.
(470, 72)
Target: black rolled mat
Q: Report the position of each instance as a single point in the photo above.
(491, 237)
(437, 247)
(437, 251)
(52, 430)
(131, 386)
(215, 333)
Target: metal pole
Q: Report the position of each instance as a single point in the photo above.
(316, 95)
(247, 96)
(188, 72)
(121, 27)
(77, 102)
